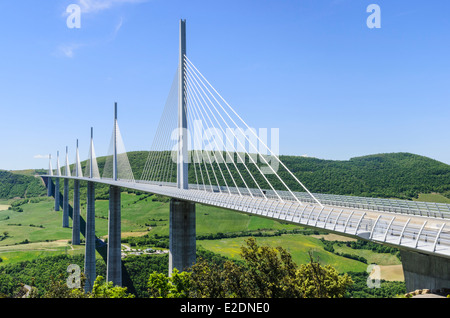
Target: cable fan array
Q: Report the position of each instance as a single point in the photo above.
(225, 156)
(124, 171)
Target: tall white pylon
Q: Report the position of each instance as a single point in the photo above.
(67, 169)
(77, 169)
(50, 168)
(58, 168)
(92, 167)
(182, 158)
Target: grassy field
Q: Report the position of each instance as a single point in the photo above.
(298, 245)
(432, 197)
(39, 223)
(41, 228)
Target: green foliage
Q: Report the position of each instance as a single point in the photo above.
(258, 233)
(103, 289)
(393, 175)
(147, 240)
(359, 244)
(175, 286)
(266, 273)
(378, 248)
(58, 289)
(360, 288)
(317, 281)
(14, 185)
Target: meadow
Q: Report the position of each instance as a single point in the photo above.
(38, 232)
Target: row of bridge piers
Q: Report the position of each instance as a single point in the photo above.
(421, 271)
(182, 244)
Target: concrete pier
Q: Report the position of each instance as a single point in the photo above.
(425, 271)
(57, 194)
(65, 220)
(49, 187)
(76, 213)
(89, 258)
(114, 261)
(182, 245)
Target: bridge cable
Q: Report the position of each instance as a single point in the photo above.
(275, 156)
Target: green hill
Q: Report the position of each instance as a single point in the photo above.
(391, 175)
(14, 185)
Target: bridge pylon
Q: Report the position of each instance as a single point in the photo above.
(76, 208)
(58, 173)
(49, 179)
(182, 245)
(89, 254)
(114, 261)
(65, 221)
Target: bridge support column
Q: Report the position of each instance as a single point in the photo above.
(89, 257)
(76, 213)
(49, 187)
(57, 194)
(425, 271)
(65, 220)
(114, 261)
(182, 245)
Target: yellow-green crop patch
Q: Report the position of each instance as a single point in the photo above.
(298, 245)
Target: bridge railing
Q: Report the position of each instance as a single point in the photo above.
(418, 208)
(428, 209)
(394, 230)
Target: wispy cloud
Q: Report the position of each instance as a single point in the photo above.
(67, 50)
(118, 26)
(94, 6)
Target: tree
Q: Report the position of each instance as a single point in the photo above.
(316, 281)
(266, 273)
(270, 272)
(59, 289)
(206, 280)
(102, 289)
(176, 286)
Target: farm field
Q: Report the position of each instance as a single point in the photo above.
(38, 232)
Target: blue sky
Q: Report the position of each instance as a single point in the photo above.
(334, 87)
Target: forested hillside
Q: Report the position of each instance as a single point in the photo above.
(14, 185)
(393, 175)
(396, 175)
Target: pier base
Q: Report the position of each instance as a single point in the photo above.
(65, 220)
(114, 261)
(182, 245)
(89, 258)
(57, 194)
(76, 213)
(49, 187)
(425, 271)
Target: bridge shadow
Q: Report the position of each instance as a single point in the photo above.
(100, 246)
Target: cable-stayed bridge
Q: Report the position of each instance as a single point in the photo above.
(204, 152)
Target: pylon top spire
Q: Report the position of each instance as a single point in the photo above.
(182, 158)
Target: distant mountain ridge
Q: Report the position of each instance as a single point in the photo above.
(389, 175)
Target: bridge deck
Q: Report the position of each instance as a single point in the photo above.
(408, 229)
